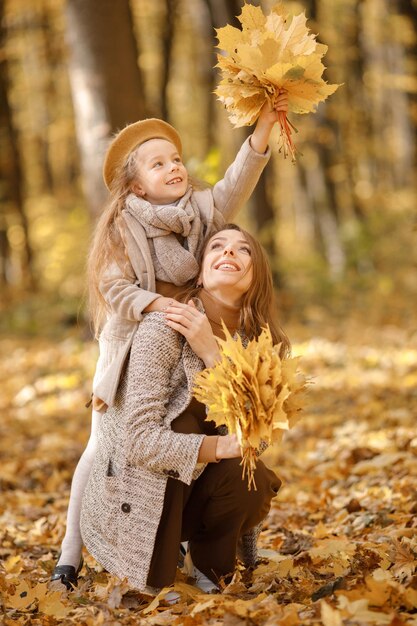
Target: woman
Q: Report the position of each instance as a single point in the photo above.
(162, 473)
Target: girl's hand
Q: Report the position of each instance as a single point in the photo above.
(195, 327)
(266, 120)
(228, 447)
(159, 304)
(268, 114)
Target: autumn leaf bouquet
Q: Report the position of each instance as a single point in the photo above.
(271, 54)
(253, 391)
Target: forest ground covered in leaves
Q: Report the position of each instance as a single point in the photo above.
(339, 546)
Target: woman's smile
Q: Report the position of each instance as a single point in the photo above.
(227, 265)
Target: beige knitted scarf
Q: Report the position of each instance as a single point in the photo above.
(173, 262)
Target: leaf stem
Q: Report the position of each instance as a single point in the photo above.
(248, 464)
(287, 144)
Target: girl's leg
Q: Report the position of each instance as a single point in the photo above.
(221, 509)
(72, 543)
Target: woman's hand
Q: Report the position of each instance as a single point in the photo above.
(195, 327)
(266, 120)
(228, 447)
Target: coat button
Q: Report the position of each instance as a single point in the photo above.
(126, 507)
(171, 473)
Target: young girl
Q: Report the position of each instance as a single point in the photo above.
(145, 247)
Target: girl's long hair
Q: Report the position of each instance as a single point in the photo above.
(107, 246)
(259, 305)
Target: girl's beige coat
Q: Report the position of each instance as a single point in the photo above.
(130, 291)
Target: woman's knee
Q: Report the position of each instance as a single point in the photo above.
(230, 482)
(267, 479)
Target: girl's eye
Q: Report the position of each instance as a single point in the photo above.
(178, 160)
(215, 245)
(157, 164)
(246, 249)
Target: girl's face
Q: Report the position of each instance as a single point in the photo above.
(227, 269)
(161, 174)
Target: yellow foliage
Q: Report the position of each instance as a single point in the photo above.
(271, 54)
(252, 391)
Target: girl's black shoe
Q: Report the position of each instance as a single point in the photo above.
(67, 574)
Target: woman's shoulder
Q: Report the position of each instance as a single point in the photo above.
(154, 329)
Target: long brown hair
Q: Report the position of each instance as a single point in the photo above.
(107, 246)
(259, 305)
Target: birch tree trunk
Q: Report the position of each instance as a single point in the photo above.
(106, 82)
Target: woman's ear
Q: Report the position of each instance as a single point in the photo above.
(199, 281)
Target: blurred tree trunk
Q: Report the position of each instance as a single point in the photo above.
(168, 30)
(11, 182)
(221, 13)
(330, 182)
(106, 82)
(383, 52)
(409, 9)
(50, 96)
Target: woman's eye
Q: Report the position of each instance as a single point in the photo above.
(246, 249)
(157, 164)
(214, 245)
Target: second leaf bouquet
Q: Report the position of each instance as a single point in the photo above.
(251, 390)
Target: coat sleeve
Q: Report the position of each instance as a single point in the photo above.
(239, 181)
(122, 293)
(155, 355)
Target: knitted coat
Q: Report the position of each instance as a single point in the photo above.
(130, 291)
(138, 451)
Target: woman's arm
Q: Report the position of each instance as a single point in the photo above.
(154, 361)
(154, 366)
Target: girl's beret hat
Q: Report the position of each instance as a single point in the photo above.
(131, 137)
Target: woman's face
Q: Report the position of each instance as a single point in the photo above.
(226, 270)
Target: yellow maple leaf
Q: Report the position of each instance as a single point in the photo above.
(251, 18)
(269, 55)
(404, 560)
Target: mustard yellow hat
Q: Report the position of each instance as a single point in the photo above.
(131, 137)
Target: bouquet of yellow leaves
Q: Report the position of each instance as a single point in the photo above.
(253, 392)
(269, 55)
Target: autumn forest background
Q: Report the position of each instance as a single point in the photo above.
(339, 224)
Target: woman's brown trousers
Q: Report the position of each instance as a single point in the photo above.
(211, 513)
